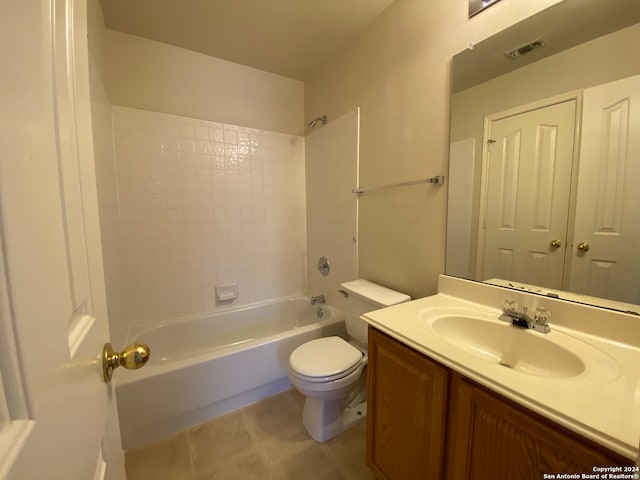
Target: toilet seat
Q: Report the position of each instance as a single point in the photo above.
(325, 359)
(328, 378)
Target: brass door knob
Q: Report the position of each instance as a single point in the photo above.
(555, 243)
(583, 247)
(132, 357)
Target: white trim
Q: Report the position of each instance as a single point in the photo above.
(101, 466)
(12, 440)
(78, 333)
(538, 104)
(14, 393)
(15, 425)
(356, 237)
(4, 408)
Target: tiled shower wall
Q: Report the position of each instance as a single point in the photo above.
(204, 204)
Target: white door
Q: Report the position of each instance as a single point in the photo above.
(527, 189)
(57, 408)
(607, 216)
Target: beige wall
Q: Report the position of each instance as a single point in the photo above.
(157, 77)
(397, 72)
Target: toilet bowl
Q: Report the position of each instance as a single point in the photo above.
(331, 372)
(328, 372)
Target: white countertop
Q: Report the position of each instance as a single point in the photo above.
(602, 404)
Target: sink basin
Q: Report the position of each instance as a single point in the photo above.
(513, 347)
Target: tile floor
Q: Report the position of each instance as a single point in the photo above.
(263, 441)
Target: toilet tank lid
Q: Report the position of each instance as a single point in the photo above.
(374, 293)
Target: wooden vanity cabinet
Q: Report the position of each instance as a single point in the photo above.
(428, 422)
(406, 411)
(490, 436)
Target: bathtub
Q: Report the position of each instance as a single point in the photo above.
(204, 367)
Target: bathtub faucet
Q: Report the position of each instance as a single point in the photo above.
(317, 299)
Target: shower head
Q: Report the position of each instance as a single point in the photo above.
(322, 119)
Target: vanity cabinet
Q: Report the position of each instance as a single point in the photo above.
(406, 411)
(428, 422)
(492, 437)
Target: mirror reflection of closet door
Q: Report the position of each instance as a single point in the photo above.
(527, 188)
(607, 223)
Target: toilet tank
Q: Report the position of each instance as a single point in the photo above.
(365, 296)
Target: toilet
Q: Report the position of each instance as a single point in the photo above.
(331, 372)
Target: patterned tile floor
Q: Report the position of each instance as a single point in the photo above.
(263, 441)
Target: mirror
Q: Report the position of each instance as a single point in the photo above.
(545, 149)
(476, 6)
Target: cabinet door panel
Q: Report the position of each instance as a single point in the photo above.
(406, 411)
(494, 438)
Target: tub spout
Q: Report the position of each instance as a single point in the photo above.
(317, 299)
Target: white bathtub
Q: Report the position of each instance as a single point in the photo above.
(204, 367)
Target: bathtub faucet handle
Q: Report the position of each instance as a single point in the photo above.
(317, 299)
(132, 357)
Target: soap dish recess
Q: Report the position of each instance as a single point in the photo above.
(227, 293)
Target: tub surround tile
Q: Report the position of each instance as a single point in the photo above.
(244, 187)
(265, 440)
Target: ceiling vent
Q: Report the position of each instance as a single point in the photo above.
(524, 49)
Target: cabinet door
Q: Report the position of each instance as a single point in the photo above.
(406, 411)
(490, 437)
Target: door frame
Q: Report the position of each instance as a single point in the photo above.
(486, 136)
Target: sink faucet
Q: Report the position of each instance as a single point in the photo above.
(519, 316)
(317, 299)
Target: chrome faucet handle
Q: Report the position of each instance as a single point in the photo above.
(510, 307)
(541, 316)
(541, 320)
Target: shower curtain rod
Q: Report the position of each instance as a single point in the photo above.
(437, 180)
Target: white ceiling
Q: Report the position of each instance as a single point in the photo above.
(287, 37)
